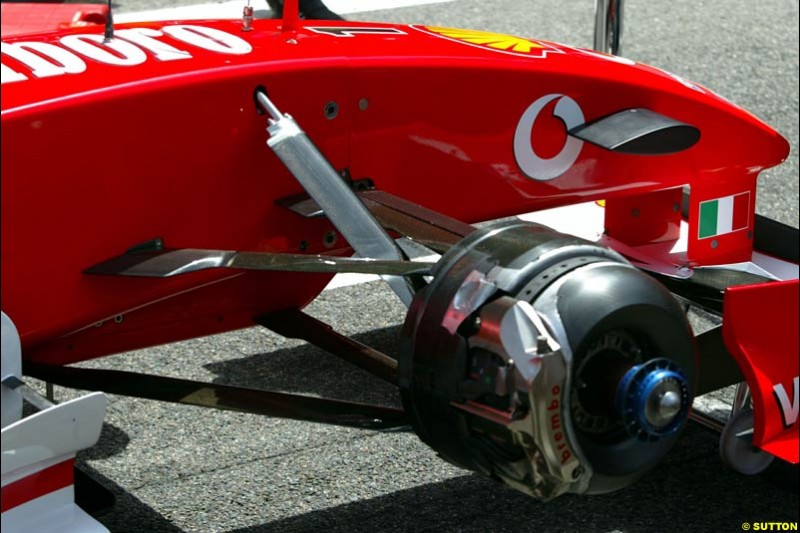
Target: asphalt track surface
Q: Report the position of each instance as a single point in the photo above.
(176, 468)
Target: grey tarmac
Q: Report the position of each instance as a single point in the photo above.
(179, 468)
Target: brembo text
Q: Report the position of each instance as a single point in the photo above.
(555, 425)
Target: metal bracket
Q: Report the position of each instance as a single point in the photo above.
(305, 206)
(425, 226)
(38, 401)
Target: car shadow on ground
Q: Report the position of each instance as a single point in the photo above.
(128, 512)
(689, 491)
(658, 502)
(306, 369)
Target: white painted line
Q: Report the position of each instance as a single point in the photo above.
(345, 280)
(233, 9)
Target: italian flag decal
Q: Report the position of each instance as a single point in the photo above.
(724, 215)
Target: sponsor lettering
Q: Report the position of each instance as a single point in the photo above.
(787, 408)
(43, 59)
(129, 47)
(554, 408)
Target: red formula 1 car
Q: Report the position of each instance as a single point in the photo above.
(236, 165)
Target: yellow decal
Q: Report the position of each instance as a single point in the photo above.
(495, 41)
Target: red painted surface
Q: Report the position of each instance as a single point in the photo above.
(741, 211)
(23, 18)
(765, 345)
(97, 161)
(36, 485)
(645, 218)
(291, 15)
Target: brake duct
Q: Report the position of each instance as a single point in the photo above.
(546, 361)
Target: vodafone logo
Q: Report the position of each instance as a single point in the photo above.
(540, 168)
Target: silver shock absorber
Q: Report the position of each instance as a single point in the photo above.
(341, 205)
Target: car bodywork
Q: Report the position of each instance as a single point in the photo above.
(154, 140)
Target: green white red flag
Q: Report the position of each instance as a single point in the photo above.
(724, 215)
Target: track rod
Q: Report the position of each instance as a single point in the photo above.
(226, 397)
(295, 324)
